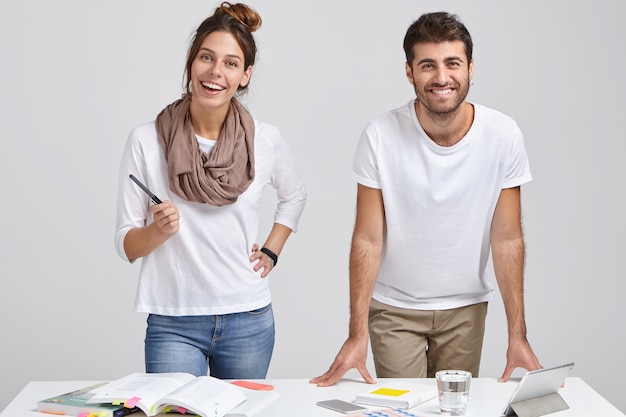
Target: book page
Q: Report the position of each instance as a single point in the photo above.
(206, 396)
(144, 390)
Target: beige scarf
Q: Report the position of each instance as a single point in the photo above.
(216, 179)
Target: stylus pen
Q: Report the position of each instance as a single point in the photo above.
(153, 197)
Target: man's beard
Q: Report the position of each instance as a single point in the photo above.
(442, 111)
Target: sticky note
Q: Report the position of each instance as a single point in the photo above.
(391, 392)
(131, 402)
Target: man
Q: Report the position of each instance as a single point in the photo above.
(438, 189)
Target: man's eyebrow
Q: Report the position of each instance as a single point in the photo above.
(425, 60)
(448, 59)
(453, 58)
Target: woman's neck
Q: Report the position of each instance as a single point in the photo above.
(207, 122)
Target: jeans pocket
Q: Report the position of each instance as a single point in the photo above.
(261, 311)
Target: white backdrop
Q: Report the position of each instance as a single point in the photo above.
(76, 76)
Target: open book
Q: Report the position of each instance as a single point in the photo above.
(205, 396)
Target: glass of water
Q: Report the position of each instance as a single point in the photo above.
(453, 387)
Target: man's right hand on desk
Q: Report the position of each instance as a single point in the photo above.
(353, 354)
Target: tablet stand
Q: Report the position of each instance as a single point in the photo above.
(539, 406)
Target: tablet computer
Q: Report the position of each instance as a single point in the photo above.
(539, 383)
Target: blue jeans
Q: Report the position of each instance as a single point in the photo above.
(233, 346)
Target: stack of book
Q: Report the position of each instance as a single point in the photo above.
(401, 395)
(75, 403)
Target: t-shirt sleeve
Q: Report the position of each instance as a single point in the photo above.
(518, 172)
(365, 163)
(290, 188)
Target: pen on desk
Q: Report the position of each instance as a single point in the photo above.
(153, 197)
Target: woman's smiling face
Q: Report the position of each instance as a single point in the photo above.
(218, 70)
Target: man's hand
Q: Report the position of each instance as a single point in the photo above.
(353, 354)
(519, 355)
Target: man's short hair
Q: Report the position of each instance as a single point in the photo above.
(437, 27)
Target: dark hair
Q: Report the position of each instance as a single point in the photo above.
(237, 19)
(437, 27)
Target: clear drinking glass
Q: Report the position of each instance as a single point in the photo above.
(453, 387)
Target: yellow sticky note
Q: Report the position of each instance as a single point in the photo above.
(391, 392)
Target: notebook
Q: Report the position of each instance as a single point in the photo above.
(537, 384)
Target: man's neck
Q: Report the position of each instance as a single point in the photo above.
(446, 129)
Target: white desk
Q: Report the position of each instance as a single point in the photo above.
(487, 398)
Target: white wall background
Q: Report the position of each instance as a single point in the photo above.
(76, 76)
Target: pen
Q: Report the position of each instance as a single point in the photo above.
(153, 197)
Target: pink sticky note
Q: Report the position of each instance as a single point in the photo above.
(181, 410)
(131, 402)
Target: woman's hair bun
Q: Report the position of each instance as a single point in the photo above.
(242, 13)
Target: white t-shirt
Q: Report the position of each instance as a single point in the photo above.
(439, 202)
(204, 268)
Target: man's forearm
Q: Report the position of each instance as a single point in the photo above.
(508, 260)
(364, 265)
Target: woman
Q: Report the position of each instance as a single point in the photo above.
(202, 274)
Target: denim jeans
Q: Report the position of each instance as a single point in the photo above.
(233, 346)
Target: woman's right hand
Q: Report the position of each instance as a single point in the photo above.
(166, 217)
(140, 241)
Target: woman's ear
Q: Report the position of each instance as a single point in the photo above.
(246, 77)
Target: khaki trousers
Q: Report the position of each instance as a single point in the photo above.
(417, 343)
